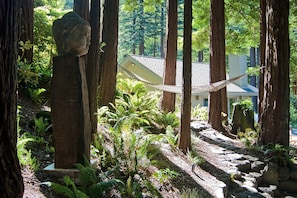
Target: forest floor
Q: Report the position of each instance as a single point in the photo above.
(225, 173)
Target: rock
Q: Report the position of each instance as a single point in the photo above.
(250, 181)
(288, 186)
(257, 176)
(271, 190)
(270, 174)
(256, 166)
(243, 165)
(246, 194)
(283, 173)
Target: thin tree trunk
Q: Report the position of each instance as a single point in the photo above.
(200, 56)
(11, 181)
(217, 100)
(107, 88)
(253, 79)
(92, 70)
(26, 32)
(168, 99)
(276, 93)
(162, 32)
(141, 29)
(134, 23)
(184, 142)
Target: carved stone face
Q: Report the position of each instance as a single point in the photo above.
(72, 34)
(79, 41)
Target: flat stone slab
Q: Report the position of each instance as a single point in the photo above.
(61, 172)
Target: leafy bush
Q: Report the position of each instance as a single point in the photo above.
(190, 193)
(164, 175)
(246, 104)
(278, 153)
(91, 185)
(200, 113)
(24, 154)
(249, 137)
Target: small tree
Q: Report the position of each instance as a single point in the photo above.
(184, 141)
(168, 99)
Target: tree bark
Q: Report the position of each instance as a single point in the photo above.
(168, 99)
(107, 88)
(11, 181)
(26, 31)
(217, 100)
(141, 29)
(92, 70)
(275, 102)
(162, 32)
(262, 55)
(184, 142)
(81, 7)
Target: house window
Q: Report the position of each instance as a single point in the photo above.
(205, 102)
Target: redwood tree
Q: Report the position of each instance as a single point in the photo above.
(168, 99)
(11, 181)
(184, 142)
(274, 125)
(107, 88)
(262, 53)
(217, 100)
(92, 70)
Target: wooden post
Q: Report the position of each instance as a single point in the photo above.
(70, 111)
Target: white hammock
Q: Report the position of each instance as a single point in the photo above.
(213, 87)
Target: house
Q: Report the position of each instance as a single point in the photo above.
(150, 69)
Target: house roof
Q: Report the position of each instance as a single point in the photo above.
(200, 73)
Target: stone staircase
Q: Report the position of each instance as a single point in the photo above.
(231, 171)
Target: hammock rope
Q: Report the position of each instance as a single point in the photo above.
(212, 87)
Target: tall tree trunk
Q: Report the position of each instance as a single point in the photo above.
(134, 23)
(141, 28)
(275, 102)
(26, 31)
(253, 79)
(162, 32)
(81, 7)
(168, 99)
(184, 142)
(262, 55)
(217, 100)
(92, 70)
(107, 88)
(11, 181)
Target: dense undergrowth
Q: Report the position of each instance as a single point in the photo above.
(126, 144)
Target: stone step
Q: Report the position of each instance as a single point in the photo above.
(211, 185)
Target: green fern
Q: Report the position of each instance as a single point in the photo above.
(69, 190)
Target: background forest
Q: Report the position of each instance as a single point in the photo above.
(142, 28)
(132, 129)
